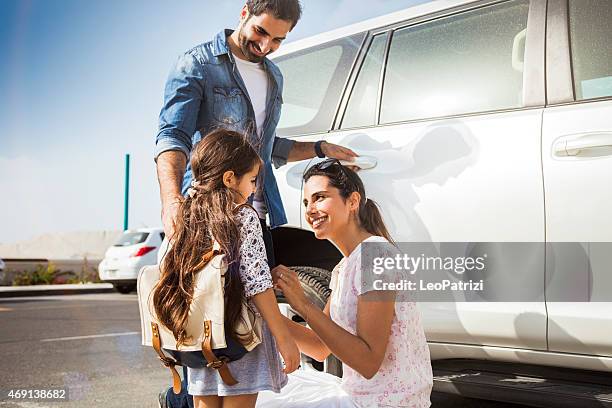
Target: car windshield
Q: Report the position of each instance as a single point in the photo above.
(132, 238)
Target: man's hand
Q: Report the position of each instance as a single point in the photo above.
(305, 151)
(170, 169)
(335, 151)
(169, 213)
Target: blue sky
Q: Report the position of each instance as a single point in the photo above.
(81, 84)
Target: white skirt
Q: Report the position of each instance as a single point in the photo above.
(308, 389)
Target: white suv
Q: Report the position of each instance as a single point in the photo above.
(486, 121)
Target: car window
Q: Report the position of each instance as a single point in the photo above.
(464, 63)
(162, 235)
(591, 46)
(313, 82)
(361, 108)
(132, 238)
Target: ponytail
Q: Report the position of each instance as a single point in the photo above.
(371, 219)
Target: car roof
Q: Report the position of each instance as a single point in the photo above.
(373, 23)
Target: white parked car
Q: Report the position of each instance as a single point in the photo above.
(484, 121)
(2, 265)
(132, 251)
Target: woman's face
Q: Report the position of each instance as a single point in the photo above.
(243, 186)
(326, 211)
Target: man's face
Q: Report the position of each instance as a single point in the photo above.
(260, 35)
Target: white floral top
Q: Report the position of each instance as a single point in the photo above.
(254, 270)
(405, 377)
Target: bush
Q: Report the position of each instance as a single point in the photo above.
(49, 274)
(43, 275)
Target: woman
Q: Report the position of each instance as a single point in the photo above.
(380, 342)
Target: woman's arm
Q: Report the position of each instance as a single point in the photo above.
(307, 340)
(363, 351)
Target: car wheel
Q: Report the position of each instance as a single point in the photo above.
(125, 289)
(315, 282)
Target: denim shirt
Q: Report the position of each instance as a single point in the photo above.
(204, 91)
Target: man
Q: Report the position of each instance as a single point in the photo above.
(229, 82)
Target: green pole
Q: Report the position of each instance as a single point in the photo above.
(127, 192)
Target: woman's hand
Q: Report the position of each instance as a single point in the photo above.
(290, 352)
(288, 282)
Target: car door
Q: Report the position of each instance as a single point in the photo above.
(577, 163)
(314, 77)
(450, 108)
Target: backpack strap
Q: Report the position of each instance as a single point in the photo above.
(219, 364)
(167, 361)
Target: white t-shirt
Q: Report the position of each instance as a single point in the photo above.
(256, 80)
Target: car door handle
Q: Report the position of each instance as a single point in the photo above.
(363, 162)
(592, 144)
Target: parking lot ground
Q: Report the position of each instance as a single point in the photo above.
(90, 345)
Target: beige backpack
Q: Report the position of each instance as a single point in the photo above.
(206, 344)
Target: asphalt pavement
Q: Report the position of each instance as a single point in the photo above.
(87, 343)
(90, 345)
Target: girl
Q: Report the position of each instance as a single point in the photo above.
(380, 342)
(225, 168)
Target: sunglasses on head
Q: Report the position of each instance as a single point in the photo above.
(327, 163)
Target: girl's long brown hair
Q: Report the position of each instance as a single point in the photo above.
(210, 213)
(347, 182)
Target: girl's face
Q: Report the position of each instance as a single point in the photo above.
(326, 211)
(243, 186)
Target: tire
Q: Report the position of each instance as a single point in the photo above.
(315, 282)
(125, 289)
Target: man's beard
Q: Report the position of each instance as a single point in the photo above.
(243, 43)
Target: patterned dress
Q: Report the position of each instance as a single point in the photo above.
(260, 369)
(405, 377)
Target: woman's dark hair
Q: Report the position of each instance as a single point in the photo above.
(208, 214)
(288, 10)
(348, 182)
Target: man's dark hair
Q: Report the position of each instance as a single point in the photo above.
(288, 10)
